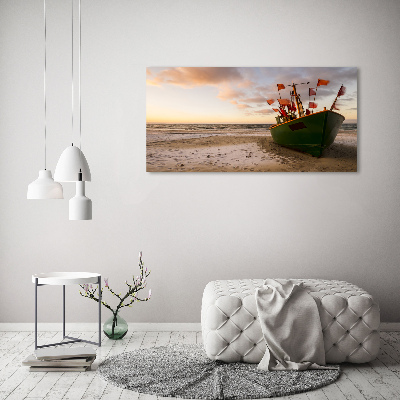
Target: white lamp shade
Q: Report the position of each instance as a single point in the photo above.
(80, 206)
(71, 161)
(44, 187)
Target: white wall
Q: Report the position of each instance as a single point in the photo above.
(192, 228)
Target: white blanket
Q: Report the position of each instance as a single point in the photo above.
(291, 327)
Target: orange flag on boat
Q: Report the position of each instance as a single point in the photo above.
(322, 82)
(311, 92)
(311, 104)
(275, 109)
(341, 91)
(270, 102)
(280, 86)
(284, 102)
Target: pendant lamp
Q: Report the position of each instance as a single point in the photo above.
(72, 165)
(80, 206)
(44, 186)
(72, 162)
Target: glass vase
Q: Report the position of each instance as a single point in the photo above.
(115, 327)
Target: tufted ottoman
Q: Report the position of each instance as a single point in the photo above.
(231, 330)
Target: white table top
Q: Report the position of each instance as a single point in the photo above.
(65, 278)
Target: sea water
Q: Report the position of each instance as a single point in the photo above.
(157, 132)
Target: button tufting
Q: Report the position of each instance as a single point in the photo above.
(329, 295)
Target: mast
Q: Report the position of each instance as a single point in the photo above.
(298, 102)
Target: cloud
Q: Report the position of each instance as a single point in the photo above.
(196, 76)
(246, 102)
(258, 99)
(231, 85)
(265, 111)
(247, 83)
(247, 89)
(346, 99)
(227, 92)
(336, 76)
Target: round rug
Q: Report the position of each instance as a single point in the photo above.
(185, 371)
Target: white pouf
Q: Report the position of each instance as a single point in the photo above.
(350, 320)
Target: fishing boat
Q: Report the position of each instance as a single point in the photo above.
(307, 132)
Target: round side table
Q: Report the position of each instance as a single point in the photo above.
(66, 278)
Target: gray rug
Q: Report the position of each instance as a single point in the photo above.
(185, 371)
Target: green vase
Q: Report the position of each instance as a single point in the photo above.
(115, 327)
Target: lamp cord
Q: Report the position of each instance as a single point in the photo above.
(72, 68)
(79, 88)
(79, 85)
(44, 84)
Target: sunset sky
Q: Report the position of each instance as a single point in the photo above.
(239, 94)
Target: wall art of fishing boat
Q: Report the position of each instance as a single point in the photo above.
(305, 131)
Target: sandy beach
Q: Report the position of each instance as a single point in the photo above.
(243, 153)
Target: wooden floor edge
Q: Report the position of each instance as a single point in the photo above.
(93, 326)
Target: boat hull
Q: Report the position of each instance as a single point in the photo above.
(311, 133)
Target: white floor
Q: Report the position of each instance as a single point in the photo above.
(379, 379)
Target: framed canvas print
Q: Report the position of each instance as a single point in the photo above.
(264, 119)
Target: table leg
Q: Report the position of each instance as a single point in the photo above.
(63, 311)
(100, 311)
(73, 339)
(36, 286)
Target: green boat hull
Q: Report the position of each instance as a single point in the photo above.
(311, 134)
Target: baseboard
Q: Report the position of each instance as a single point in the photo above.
(138, 327)
(390, 327)
(92, 327)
